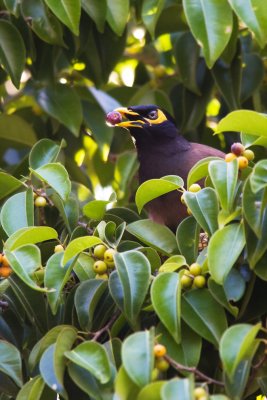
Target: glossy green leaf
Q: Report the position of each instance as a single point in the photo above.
(30, 235)
(45, 151)
(43, 22)
(32, 390)
(125, 388)
(12, 6)
(133, 270)
(234, 285)
(20, 207)
(200, 170)
(152, 391)
(218, 293)
(187, 236)
(157, 236)
(253, 207)
(236, 385)
(224, 249)
(258, 178)
(8, 183)
(83, 267)
(172, 264)
(166, 300)
(86, 300)
(117, 15)
(224, 177)
(10, 362)
(68, 12)
(138, 358)
(12, 51)
(95, 209)
(252, 74)
(183, 388)
(93, 357)
(254, 15)
(245, 121)
(151, 10)
(62, 103)
(237, 344)
(78, 245)
(69, 210)
(204, 315)
(55, 175)
(205, 208)
(153, 188)
(97, 10)
(15, 129)
(207, 21)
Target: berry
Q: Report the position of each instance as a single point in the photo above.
(229, 157)
(159, 350)
(161, 364)
(99, 251)
(242, 162)
(199, 392)
(58, 248)
(183, 199)
(5, 272)
(40, 201)
(114, 117)
(101, 276)
(159, 71)
(100, 267)
(186, 281)
(4, 261)
(109, 255)
(194, 188)
(199, 281)
(111, 264)
(249, 154)
(237, 148)
(195, 269)
(155, 374)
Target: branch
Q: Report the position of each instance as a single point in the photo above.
(105, 328)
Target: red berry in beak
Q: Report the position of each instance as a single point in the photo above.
(113, 117)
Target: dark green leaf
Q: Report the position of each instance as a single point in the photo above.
(187, 236)
(117, 15)
(97, 10)
(10, 362)
(151, 10)
(14, 128)
(68, 12)
(43, 152)
(8, 184)
(258, 178)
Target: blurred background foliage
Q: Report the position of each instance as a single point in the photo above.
(65, 64)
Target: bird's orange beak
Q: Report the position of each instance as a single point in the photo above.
(127, 123)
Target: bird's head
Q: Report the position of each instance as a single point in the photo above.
(146, 123)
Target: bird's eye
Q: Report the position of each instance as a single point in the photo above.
(153, 114)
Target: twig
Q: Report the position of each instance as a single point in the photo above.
(105, 328)
(180, 367)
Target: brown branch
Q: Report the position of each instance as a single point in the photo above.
(194, 370)
(105, 328)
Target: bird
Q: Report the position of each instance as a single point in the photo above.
(161, 151)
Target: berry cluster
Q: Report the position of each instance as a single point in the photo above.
(5, 269)
(193, 277)
(243, 156)
(105, 261)
(161, 364)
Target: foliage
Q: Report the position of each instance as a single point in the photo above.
(65, 329)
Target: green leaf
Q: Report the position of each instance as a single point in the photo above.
(205, 208)
(254, 208)
(86, 299)
(97, 10)
(234, 285)
(218, 293)
(204, 315)
(207, 21)
(133, 270)
(245, 121)
(138, 358)
(224, 249)
(12, 6)
(125, 388)
(93, 357)
(15, 129)
(151, 10)
(68, 12)
(8, 184)
(32, 390)
(10, 362)
(20, 207)
(62, 103)
(69, 210)
(157, 236)
(12, 51)
(117, 15)
(78, 245)
(153, 188)
(187, 236)
(45, 151)
(200, 170)
(43, 22)
(254, 16)
(30, 235)
(238, 344)
(166, 300)
(183, 387)
(56, 176)
(95, 209)
(224, 177)
(258, 179)
(172, 264)
(152, 391)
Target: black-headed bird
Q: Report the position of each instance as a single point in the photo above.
(161, 151)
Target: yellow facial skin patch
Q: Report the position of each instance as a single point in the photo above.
(138, 123)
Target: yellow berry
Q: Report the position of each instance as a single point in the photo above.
(101, 276)
(159, 350)
(58, 248)
(160, 71)
(109, 255)
(111, 265)
(186, 281)
(161, 364)
(194, 188)
(155, 374)
(199, 281)
(199, 392)
(242, 162)
(229, 157)
(249, 154)
(40, 201)
(99, 251)
(195, 269)
(100, 267)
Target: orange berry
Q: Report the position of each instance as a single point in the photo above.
(5, 272)
(159, 350)
(242, 162)
(5, 262)
(229, 157)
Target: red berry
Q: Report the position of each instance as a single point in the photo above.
(237, 148)
(113, 117)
